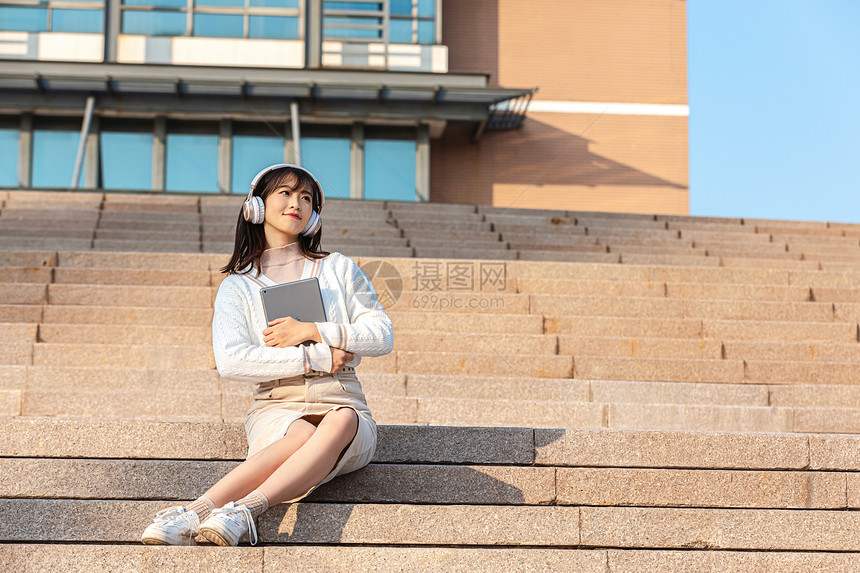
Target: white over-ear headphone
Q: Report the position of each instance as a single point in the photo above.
(254, 211)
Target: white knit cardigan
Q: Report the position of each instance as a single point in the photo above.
(355, 322)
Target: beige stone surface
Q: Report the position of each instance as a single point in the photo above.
(166, 335)
(624, 326)
(658, 370)
(500, 412)
(420, 524)
(127, 404)
(758, 310)
(148, 277)
(745, 292)
(701, 488)
(827, 279)
(118, 355)
(393, 409)
(466, 322)
(824, 294)
(384, 364)
(834, 452)
(17, 333)
(13, 377)
(815, 395)
(124, 295)
(735, 262)
(513, 343)
(25, 274)
(434, 444)
(788, 372)
(20, 353)
(831, 420)
(154, 261)
(643, 307)
(780, 330)
(644, 448)
(20, 313)
(702, 418)
(492, 387)
(591, 287)
(812, 530)
(793, 351)
(10, 402)
(713, 561)
(681, 260)
(435, 559)
(489, 363)
(76, 314)
(639, 347)
(184, 235)
(121, 379)
(679, 393)
(22, 293)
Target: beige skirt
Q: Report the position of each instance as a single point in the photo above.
(279, 403)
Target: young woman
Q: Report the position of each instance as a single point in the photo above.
(310, 421)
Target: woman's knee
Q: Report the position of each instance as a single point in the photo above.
(300, 431)
(343, 422)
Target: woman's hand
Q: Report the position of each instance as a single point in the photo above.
(339, 358)
(287, 331)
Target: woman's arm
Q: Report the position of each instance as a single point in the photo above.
(237, 357)
(369, 331)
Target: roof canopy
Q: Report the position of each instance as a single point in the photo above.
(144, 89)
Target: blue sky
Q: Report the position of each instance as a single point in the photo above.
(774, 94)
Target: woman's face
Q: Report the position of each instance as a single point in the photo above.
(288, 209)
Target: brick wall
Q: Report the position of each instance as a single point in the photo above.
(628, 51)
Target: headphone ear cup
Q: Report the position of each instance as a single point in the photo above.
(253, 210)
(313, 225)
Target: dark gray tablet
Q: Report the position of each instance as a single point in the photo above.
(300, 299)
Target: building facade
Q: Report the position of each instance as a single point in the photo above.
(557, 104)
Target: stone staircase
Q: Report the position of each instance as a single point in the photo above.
(568, 391)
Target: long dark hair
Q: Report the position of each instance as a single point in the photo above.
(251, 240)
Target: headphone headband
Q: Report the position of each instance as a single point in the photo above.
(259, 176)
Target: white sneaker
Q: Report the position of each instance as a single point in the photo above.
(226, 525)
(172, 526)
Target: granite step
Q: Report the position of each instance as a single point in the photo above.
(488, 525)
(180, 480)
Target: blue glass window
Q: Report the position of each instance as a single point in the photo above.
(389, 169)
(192, 162)
(251, 153)
(400, 7)
(84, 21)
(276, 3)
(23, 19)
(8, 157)
(54, 158)
(153, 23)
(218, 25)
(219, 2)
(157, 3)
(276, 27)
(426, 7)
(425, 32)
(349, 31)
(400, 31)
(369, 6)
(328, 159)
(126, 160)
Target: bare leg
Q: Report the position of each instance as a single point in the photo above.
(314, 460)
(247, 476)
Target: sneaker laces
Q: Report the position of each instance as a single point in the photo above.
(175, 516)
(234, 513)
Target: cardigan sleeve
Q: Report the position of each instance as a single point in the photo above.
(238, 357)
(369, 331)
